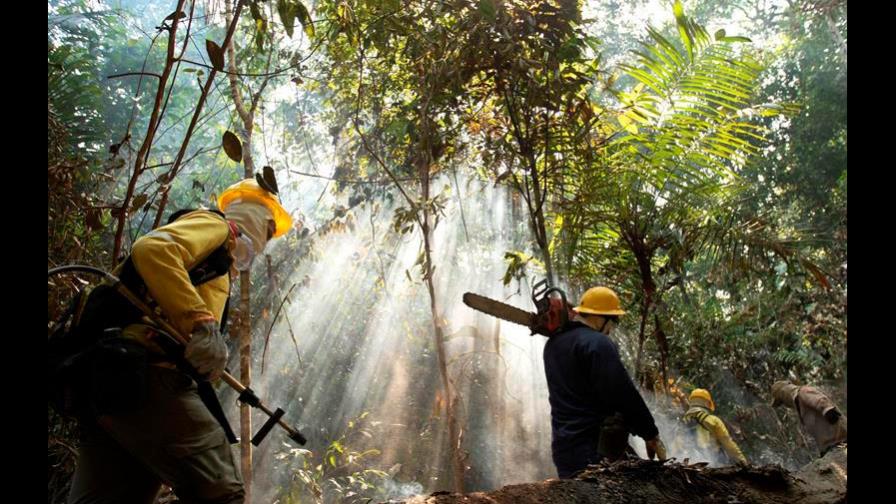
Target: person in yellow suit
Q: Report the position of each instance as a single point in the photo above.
(171, 437)
(712, 435)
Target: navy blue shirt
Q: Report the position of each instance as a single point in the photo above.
(587, 383)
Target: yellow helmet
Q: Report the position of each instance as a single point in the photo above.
(703, 394)
(600, 301)
(249, 190)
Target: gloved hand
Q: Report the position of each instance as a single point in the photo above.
(655, 447)
(207, 351)
(832, 415)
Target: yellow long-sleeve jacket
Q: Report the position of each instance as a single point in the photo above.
(164, 257)
(712, 433)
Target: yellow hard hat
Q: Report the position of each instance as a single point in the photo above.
(249, 190)
(600, 301)
(704, 395)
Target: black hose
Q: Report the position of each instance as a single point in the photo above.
(82, 268)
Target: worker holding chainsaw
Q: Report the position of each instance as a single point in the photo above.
(594, 404)
(169, 435)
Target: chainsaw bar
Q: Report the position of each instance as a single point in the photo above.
(498, 309)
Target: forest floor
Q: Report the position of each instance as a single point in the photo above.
(643, 481)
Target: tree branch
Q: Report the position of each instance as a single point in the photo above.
(350, 180)
(384, 167)
(196, 114)
(154, 119)
(271, 328)
(126, 74)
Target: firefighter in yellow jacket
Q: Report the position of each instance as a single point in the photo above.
(712, 435)
(172, 437)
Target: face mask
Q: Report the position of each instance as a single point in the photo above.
(243, 253)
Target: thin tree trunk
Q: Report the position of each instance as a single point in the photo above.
(176, 165)
(535, 199)
(642, 256)
(246, 379)
(645, 309)
(245, 342)
(835, 32)
(247, 117)
(455, 438)
(541, 234)
(154, 119)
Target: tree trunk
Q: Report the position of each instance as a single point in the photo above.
(247, 117)
(663, 345)
(643, 256)
(143, 152)
(835, 33)
(645, 310)
(246, 379)
(541, 234)
(455, 440)
(246, 376)
(176, 165)
(534, 200)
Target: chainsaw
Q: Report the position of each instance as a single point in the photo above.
(552, 311)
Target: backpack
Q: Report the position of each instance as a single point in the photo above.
(91, 369)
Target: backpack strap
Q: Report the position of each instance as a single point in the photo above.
(216, 264)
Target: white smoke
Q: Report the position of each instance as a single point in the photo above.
(395, 490)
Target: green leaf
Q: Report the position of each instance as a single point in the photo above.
(488, 10)
(287, 16)
(720, 35)
(256, 12)
(627, 124)
(232, 146)
(593, 43)
(138, 201)
(305, 18)
(736, 39)
(215, 54)
(261, 26)
(570, 50)
(683, 28)
(678, 10)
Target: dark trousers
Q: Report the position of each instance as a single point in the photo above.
(572, 458)
(172, 438)
(609, 440)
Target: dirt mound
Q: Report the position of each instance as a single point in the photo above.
(642, 481)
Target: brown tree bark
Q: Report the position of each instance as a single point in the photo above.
(154, 119)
